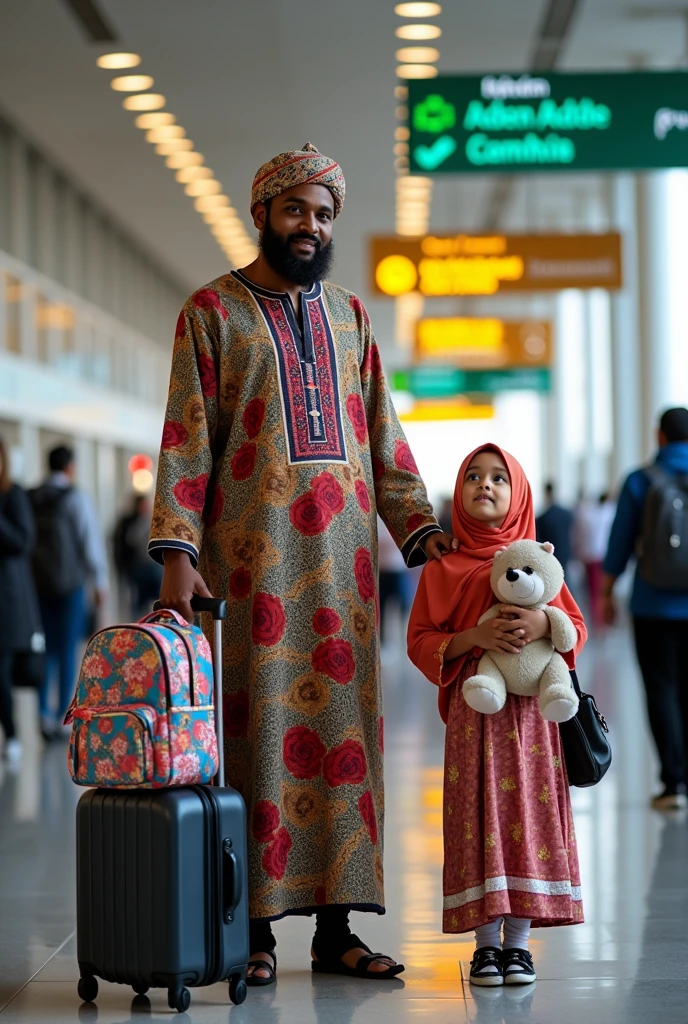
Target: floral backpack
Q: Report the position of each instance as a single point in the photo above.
(142, 714)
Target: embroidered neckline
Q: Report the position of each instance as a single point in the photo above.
(314, 293)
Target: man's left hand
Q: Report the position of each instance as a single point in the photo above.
(437, 544)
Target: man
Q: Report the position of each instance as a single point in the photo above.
(592, 526)
(139, 575)
(69, 553)
(554, 525)
(658, 606)
(280, 447)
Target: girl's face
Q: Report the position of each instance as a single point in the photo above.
(486, 490)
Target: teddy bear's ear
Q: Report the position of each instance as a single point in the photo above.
(499, 551)
(549, 548)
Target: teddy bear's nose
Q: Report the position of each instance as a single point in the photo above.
(511, 575)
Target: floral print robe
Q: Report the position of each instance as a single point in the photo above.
(279, 449)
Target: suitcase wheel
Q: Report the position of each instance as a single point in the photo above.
(237, 989)
(178, 999)
(87, 988)
(140, 990)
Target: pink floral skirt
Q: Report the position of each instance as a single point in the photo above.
(509, 839)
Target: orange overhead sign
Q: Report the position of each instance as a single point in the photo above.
(484, 343)
(441, 265)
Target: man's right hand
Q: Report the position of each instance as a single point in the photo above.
(180, 582)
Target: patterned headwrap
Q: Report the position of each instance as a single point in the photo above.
(300, 167)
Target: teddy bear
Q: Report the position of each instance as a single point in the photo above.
(528, 575)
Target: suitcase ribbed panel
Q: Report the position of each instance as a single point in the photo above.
(149, 871)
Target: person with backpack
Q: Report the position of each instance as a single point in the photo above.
(68, 554)
(652, 522)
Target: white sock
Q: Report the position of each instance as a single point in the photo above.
(489, 934)
(516, 932)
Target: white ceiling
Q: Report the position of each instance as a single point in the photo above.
(249, 78)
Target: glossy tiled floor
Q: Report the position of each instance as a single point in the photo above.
(626, 964)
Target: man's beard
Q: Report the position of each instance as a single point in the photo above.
(297, 269)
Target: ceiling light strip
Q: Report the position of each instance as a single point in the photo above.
(169, 139)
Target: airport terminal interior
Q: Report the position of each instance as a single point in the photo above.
(515, 226)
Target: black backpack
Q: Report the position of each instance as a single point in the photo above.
(58, 561)
(663, 549)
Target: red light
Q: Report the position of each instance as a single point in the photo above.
(140, 462)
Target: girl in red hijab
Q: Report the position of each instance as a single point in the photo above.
(510, 853)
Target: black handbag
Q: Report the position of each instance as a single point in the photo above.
(587, 751)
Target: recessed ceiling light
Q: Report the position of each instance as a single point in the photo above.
(165, 132)
(173, 146)
(114, 61)
(401, 113)
(184, 159)
(416, 55)
(418, 32)
(186, 174)
(131, 83)
(144, 101)
(401, 148)
(401, 92)
(418, 10)
(205, 203)
(217, 215)
(205, 187)
(401, 134)
(154, 120)
(416, 71)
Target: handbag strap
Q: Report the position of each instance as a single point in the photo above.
(575, 683)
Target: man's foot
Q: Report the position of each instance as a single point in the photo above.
(518, 967)
(47, 729)
(670, 799)
(262, 969)
(355, 961)
(486, 967)
(13, 752)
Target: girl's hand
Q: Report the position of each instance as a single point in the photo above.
(527, 624)
(497, 635)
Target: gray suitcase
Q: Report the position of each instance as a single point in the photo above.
(161, 881)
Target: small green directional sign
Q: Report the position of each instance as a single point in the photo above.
(430, 381)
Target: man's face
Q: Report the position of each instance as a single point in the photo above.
(296, 233)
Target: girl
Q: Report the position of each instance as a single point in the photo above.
(509, 843)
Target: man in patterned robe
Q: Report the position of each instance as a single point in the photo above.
(280, 446)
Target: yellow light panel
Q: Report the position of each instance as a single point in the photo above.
(187, 174)
(156, 120)
(132, 83)
(418, 32)
(416, 71)
(429, 411)
(184, 159)
(418, 10)
(165, 132)
(115, 61)
(144, 101)
(417, 54)
(205, 187)
(173, 146)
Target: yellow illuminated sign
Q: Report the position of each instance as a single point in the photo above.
(485, 264)
(428, 411)
(484, 343)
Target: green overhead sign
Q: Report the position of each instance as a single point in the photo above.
(482, 124)
(430, 381)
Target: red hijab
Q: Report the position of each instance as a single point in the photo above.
(453, 593)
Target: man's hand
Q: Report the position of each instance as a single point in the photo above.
(437, 544)
(180, 582)
(608, 608)
(527, 624)
(100, 595)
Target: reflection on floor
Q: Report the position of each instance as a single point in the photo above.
(625, 964)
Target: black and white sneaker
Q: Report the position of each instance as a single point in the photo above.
(486, 967)
(518, 967)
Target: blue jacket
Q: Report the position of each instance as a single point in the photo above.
(646, 602)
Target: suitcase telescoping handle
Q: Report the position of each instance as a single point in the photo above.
(217, 607)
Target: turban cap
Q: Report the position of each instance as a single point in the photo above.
(300, 167)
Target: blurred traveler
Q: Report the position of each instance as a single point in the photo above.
(21, 626)
(444, 516)
(555, 525)
(652, 520)
(591, 529)
(69, 553)
(281, 445)
(394, 586)
(138, 572)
